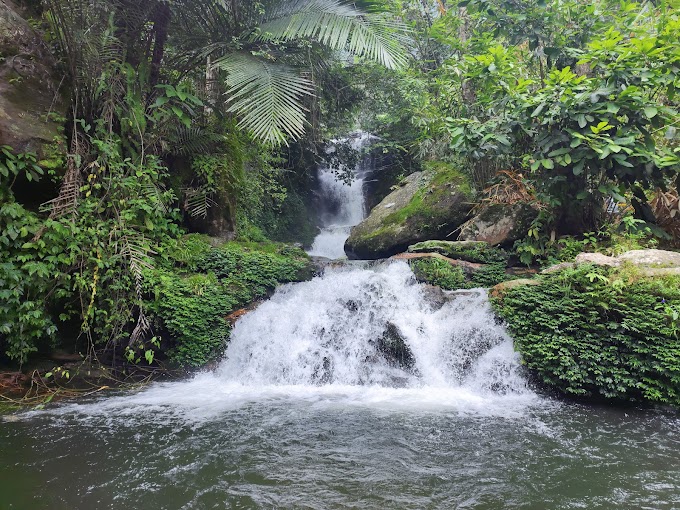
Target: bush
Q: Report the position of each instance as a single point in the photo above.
(595, 332)
(199, 285)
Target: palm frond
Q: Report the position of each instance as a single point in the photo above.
(339, 25)
(186, 141)
(197, 201)
(266, 95)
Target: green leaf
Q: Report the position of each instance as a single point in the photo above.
(578, 168)
(267, 97)
(651, 111)
(538, 110)
(559, 152)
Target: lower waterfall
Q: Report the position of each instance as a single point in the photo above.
(360, 334)
(373, 326)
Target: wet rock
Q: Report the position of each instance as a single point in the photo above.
(426, 205)
(392, 345)
(499, 224)
(435, 296)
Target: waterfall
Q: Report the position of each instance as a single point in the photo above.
(374, 327)
(342, 204)
(362, 335)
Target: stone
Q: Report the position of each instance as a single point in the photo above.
(558, 267)
(652, 258)
(499, 224)
(472, 251)
(497, 291)
(29, 86)
(597, 259)
(394, 348)
(426, 205)
(468, 267)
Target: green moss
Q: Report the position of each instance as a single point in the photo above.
(471, 251)
(439, 272)
(54, 155)
(190, 295)
(597, 332)
(425, 202)
(447, 173)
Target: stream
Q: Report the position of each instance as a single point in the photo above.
(358, 389)
(311, 408)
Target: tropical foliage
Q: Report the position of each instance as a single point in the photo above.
(600, 333)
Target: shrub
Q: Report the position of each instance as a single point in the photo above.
(439, 272)
(602, 333)
(199, 285)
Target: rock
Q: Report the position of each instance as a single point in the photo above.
(499, 224)
(394, 348)
(652, 258)
(468, 267)
(472, 251)
(660, 271)
(435, 296)
(597, 259)
(497, 291)
(652, 262)
(427, 205)
(558, 267)
(29, 86)
(524, 272)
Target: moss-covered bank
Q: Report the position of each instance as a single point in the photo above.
(608, 333)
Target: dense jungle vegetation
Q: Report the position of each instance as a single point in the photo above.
(192, 129)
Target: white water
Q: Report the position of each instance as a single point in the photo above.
(319, 342)
(343, 205)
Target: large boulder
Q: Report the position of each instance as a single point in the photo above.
(30, 99)
(499, 224)
(426, 205)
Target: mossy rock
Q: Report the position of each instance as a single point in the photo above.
(472, 251)
(425, 205)
(29, 88)
(605, 333)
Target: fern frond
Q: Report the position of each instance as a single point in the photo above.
(197, 201)
(186, 141)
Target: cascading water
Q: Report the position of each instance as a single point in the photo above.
(342, 204)
(376, 327)
(358, 389)
(358, 335)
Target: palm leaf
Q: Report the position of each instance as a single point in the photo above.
(266, 95)
(339, 25)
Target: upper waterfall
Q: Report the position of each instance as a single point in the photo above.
(342, 203)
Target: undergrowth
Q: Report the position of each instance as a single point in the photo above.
(191, 294)
(596, 332)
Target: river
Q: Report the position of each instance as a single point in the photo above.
(311, 409)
